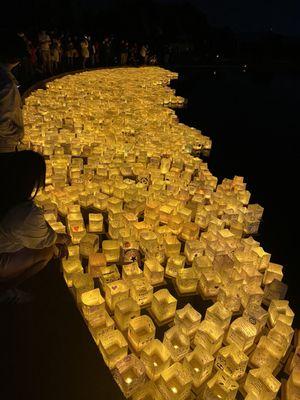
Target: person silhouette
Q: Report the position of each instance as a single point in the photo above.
(12, 50)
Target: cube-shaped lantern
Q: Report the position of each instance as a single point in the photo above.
(186, 281)
(156, 358)
(232, 361)
(163, 305)
(172, 245)
(96, 262)
(280, 310)
(175, 382)
(209, 283)
(115, 292)
(71, 267)
(111, 250)
(82, 283)
(129, 374)
(267, 354)
(99, 324)
(174, 264)
(148, 242)
(108, 274)
(141, 291)
(141, 331)
(92, 303)
(188, 320)
(257, 315)
(200, 364)
(177, 343)
(95, 223)
(241, 333)
(209, 335)
(131, 271)
(113, 347)
(219, 314)
(154, 271)
(89, 244)
(148, 391)
(221, 386)
(293, 384)
(125, 310)
(261, 384)
(192, 249)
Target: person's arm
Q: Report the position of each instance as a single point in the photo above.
(34, 232)
(62, 238)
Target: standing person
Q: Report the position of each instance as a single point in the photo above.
(25, 72)
(106, 48)
(167, 54)
(55, 55)
(27, 242)
(32, 59)
(144, 54)
(70, 52)
(45, 43)
(124, 48)
(97, 52)
(92, 51)
(85, 54)
(12, 50)
(133, 54)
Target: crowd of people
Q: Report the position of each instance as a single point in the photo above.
(50, 53)
(27, 242)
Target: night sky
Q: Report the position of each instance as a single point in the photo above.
(282, 16)
(279, 16)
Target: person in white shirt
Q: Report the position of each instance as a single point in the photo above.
(45, 43)
(85, 54)
(27, 242)
(12, 50)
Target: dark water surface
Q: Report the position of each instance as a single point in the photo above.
(253, 121)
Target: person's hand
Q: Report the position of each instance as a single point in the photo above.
(61, 251)
(63, 238)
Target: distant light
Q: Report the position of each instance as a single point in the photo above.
(215, 72)
(174, 389)
(128, 380)
(245, 66)
(218, 56)
(196, 369)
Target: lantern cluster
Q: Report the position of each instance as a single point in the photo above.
(150, 225)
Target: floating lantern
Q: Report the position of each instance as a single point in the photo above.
(200, 364)
(209, 335)
(177, 343)
(114, 292)
(141, 331)
(113, 347)
(125, 310)
(261, 384)
(129, 374)
(231, 360)
(175, 382)
(156, 358)
(220, 386)
(163, 305)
